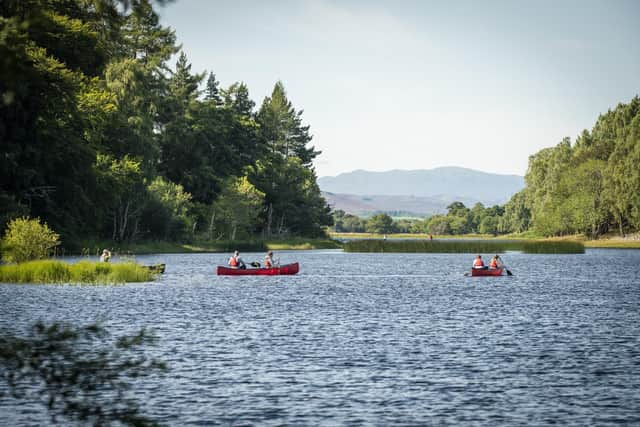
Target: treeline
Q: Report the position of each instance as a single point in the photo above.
(589, 187)
(102, 139)
(458, 220)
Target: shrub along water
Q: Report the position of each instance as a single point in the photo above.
(49, 271)
(464, 246)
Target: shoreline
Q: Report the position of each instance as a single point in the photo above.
(610, 242)
(334, 241)
(165, 247)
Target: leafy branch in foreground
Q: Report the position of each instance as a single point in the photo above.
(81, 374)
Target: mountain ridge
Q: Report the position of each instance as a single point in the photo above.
(423, 191)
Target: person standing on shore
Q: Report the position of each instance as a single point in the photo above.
(106, 256)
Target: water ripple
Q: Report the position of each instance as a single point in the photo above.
(371, 339)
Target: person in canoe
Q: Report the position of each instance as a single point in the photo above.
(496, 262)
(478, 263)
(268, 260)
(236, 262)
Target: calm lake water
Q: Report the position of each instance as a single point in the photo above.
(375, 339)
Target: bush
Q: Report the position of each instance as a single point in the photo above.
(27, 239)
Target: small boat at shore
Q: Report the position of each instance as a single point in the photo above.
(156, 268)
(487, 271)
(286, 269)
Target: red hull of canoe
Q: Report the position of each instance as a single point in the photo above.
(486, 272)
(275, 271)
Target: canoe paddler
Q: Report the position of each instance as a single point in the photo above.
(494, 263)
(478, 263)
(235, 261)
(268, 260)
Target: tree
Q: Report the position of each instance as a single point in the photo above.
(122, 194)
(380, 224)
(439, 224)
(28, 239)
(517, 216)
(212, 91)
(167, 213)
(238, 208)
(282, 128)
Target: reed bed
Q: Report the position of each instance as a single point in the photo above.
(464, 246)
(83, 272)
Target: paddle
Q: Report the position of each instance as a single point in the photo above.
(509, 273)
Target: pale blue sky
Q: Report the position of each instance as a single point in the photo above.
(420, 84)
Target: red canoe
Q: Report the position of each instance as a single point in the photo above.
(486, 271)
(275, 271)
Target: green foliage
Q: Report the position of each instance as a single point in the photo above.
(168, 212)
(380, 223)
(28, 239)
(237, 209)
(81, 374)
(83, 272)
(122, 195)
(293, 203)
(593, 185)
(463, 246)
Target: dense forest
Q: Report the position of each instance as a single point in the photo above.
(590, 187)
(102, 139)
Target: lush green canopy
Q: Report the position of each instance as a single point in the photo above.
(100, 138)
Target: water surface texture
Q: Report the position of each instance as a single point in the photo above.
(371, 339)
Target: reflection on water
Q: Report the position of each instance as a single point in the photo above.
(371, 339)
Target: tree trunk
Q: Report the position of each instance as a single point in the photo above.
(211, 223)
(269, 218)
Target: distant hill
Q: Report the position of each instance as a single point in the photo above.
(408, 206)
(420, 192)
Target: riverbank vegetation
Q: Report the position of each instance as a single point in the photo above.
(93, 248)
(83, 272)
(464, 246)
(103, 139)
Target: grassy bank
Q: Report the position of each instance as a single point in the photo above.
(83, 272)
(419, 236)
(607, 241)
(154, 247)
(464, 246)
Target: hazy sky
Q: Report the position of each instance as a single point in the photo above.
(419, 84)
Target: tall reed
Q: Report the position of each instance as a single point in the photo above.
(50, 271)
(464, 246)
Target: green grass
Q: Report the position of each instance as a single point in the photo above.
(613, 243)
(464, 246)
(84, 272)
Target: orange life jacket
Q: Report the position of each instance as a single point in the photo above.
(267, 262)
(478, 263)
(494, 263)
(233, 262)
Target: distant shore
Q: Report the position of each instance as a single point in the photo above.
(334, 241)
(155, 247)
(606, 241)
